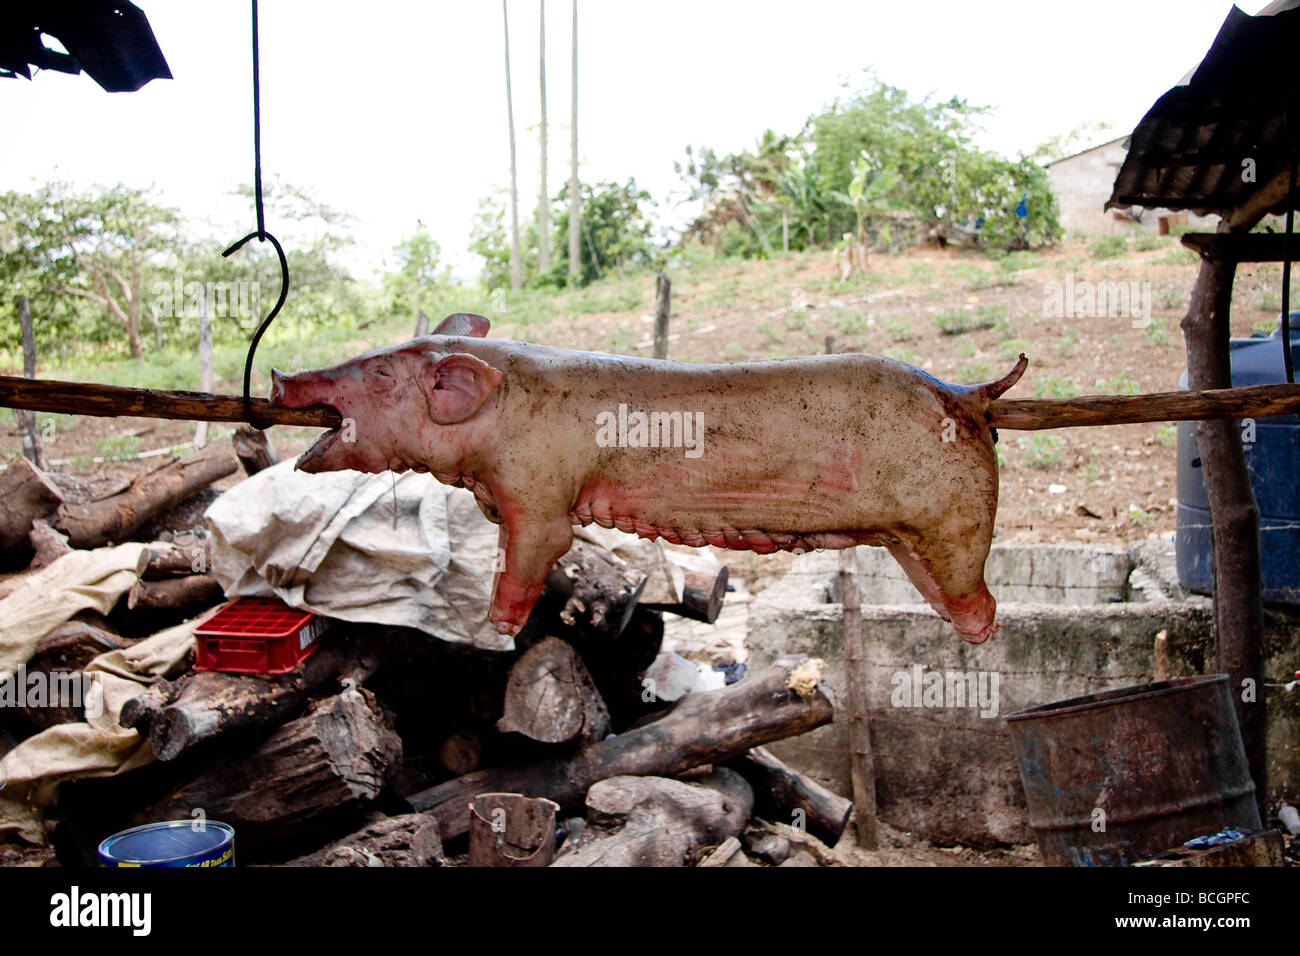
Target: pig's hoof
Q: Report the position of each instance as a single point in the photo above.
(506, 628)
(979, 637)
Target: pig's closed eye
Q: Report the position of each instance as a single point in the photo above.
(380, 371)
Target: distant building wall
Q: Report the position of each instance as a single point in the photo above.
(1082, 184)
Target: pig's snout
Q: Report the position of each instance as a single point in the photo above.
(300, 389)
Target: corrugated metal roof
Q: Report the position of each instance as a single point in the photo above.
(1190, 149)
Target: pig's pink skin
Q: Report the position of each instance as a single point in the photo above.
(818, 452)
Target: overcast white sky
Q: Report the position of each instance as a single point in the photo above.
(396, 111)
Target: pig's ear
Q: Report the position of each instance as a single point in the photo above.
(458, 384)
(463, 323)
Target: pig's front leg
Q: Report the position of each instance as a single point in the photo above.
(530, 548)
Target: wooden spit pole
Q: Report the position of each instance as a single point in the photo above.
(74, 398)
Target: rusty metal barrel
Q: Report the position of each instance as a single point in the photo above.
(1124, 775)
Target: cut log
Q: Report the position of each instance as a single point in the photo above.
(26, 495)
(704, 728)
(158, 564)
(729, 854)
(253, 448)
(97, 523)
(551, 698)
(461, 752)
(618, 666)
(187, 595)
(210, 704)
(660, 822)
(407, 840)
(786, 796)
(47, 544)
(704, 590)
(60, 659)
(139, 713)
(599, 590)
(333, 760)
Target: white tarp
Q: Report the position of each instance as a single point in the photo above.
(402, 550)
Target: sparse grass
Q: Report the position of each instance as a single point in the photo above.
(899, 331)
(1056, 388)
(850, 323)
(966, 349)
(1121, 384)
(1178, 255)
(620, 340)
(1265, 326)
(1173, 298)
(959, 321)
(1158, 332)
(1270, 301)
(921, 272)
(733, 352)
(1005, 329)
(1010, 349)
(796, 322)
(1040, 450)
(770, 335)
(975, 373)
(1150, 243)
(1139, 516)
(1167, 435)
(1107, 247)
(903, 354)
(1022, 260)
(118, 446)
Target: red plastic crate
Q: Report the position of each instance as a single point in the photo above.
(257, 636)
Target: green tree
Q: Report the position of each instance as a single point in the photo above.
(420, 278)
(104, 246)
(614, 228)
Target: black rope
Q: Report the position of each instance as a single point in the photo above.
(261, 235)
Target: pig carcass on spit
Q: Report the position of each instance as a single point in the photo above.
(793, 454)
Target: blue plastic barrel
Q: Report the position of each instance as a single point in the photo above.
(174, 843)
(1273, 461)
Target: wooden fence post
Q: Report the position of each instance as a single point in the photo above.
(663, 290)
(32, 450)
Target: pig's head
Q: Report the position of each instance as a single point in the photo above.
(406, 406)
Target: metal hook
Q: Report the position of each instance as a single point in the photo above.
(266, 322)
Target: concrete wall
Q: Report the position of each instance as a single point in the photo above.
(1082, 184)
(949, 772)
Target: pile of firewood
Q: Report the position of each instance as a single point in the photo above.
(372, 750)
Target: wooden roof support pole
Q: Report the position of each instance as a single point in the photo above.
(1234, 514)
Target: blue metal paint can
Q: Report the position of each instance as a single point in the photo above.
(173, 843)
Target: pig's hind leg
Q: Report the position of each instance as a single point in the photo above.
(951, 579)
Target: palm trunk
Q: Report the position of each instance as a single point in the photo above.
(544, 202)
(575, 198)
(516, 277)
